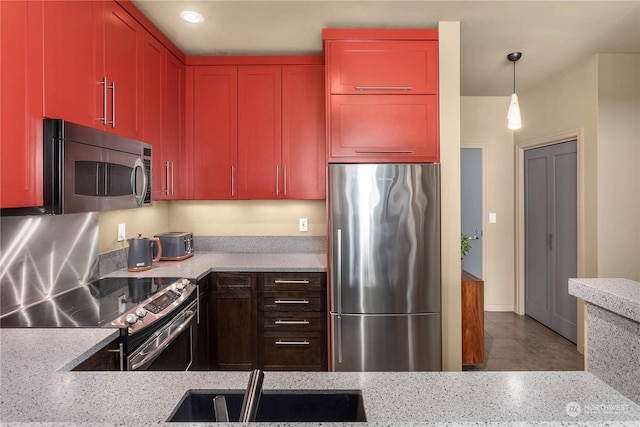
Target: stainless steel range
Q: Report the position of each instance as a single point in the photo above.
(156, 318)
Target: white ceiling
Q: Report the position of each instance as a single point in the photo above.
(551, 34)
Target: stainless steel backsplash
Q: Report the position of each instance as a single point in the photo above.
(42, 256)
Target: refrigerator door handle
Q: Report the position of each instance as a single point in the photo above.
(339, 272)
(339, 290)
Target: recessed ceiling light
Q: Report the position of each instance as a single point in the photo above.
(191, 17)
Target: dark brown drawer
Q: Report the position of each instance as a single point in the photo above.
(291, 351)
(291, 281)
(293, 321)
(292, 301)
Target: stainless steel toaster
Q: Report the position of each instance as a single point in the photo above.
(176, 245)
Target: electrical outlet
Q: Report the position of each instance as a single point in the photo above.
(303, 225)
(120, 232)
(492, 218)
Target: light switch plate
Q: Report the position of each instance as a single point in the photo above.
(303, 225)
(492, 217)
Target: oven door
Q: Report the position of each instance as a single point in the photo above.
(171, 348)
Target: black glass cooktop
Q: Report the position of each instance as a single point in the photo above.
(96, 304)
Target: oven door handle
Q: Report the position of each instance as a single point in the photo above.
(156, 351)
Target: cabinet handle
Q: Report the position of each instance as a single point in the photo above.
(302, 282)
(384, 151)
(384, 87)
(233, 173)
(291, 322)
(105, 86)
(277, 181)
(166, 175)
(172, 176)
(113, 104)
(285, 180)
(303, 342)
(291, 301)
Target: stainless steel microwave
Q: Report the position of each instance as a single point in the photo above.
(88, 170)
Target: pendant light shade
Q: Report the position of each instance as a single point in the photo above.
(513, 115)
(514, 122)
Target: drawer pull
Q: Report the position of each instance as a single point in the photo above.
(292, 301)
(384, 87)
(299, 282)
(303, 342)
(291, 322)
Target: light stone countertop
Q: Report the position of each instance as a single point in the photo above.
(621, 296)
(36, 387)
(200, 264)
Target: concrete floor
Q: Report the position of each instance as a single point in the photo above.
(519, 343)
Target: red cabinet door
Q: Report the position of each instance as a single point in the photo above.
(172, 126)
(259, 132)
(376, 67)
(70, 46)
(21, 104)
(384, 128)
(303, 132)
(153, 91)
(123, 41)
(215, 127)
(152, 106)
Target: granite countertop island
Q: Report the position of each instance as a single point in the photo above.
(37, 386)
(613, 331)
(202, 263)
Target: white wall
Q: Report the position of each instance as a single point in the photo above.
(483, 125)
(619, 165)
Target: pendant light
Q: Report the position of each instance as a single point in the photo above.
(513, 115)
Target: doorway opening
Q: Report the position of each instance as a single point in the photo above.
(471, 202)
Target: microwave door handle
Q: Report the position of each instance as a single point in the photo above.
(139, 197)
(106, 179)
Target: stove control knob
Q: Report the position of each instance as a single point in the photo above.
(141, 312)
(179, 286)
(131, 318)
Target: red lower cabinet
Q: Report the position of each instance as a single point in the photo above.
(21, 104)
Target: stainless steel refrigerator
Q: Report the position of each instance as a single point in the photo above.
(384, 264)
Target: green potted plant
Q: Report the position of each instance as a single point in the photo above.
(465, 246)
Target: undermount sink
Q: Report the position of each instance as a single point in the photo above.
(275, 406)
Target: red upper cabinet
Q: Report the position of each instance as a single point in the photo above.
(376, 66)
(70, 81)
(93, 65)
(172, 168)
(212, 126)
(303, 132)
(21, 104)
(385, 128)
(382, 95)
(153, 91)
(256, 130)
(121, 71)
(259, 132)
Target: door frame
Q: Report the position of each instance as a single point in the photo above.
(573, 134)
(484, 221)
